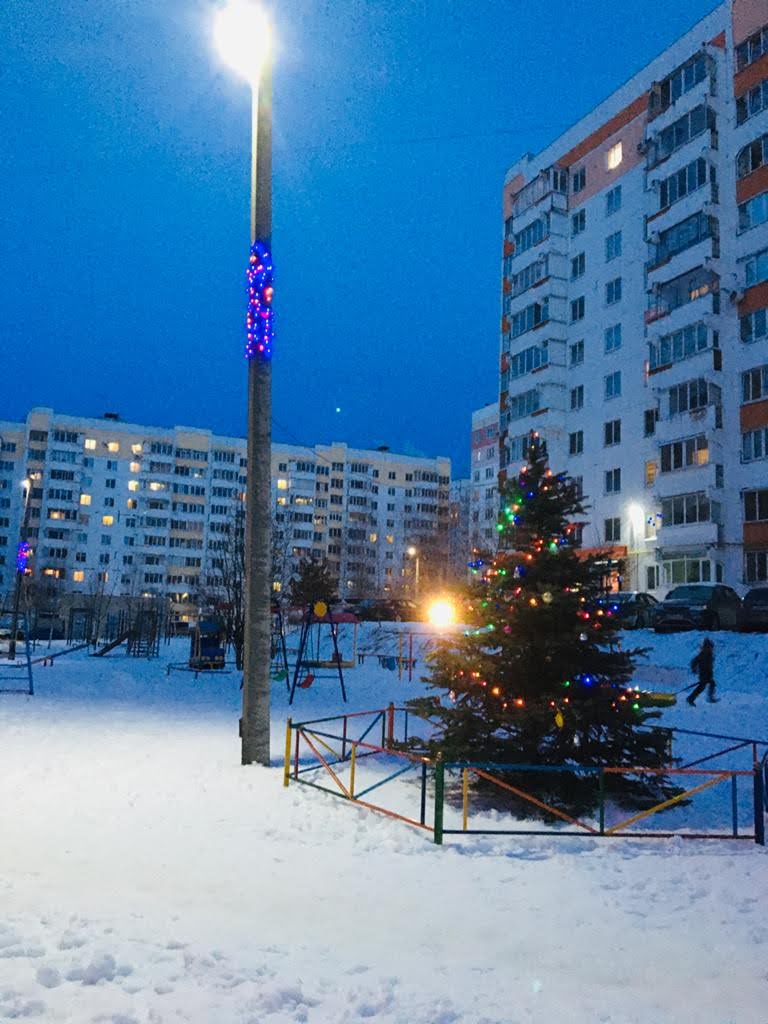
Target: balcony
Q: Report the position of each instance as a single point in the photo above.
(669, 264)
(694, 478)
(692, 535)
(551, 184)
(683, 424)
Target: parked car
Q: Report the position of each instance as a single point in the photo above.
(754, 609)
(632, 608)
(699, 606)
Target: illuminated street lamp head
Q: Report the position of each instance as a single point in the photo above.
(636, 516)
(243, 38)
(441, 613)
(412, 551)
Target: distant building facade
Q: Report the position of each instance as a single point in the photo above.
(139, 509)
(459, 548)
(484, 495)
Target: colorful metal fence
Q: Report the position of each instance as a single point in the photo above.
(334, 750)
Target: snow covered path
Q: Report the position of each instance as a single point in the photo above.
(146, 878)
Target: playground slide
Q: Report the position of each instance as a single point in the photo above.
(111, 645)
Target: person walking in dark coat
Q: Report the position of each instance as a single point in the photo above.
(704, 664)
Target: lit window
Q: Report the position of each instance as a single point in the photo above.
(90, 443)
(373, 538)
(113, 446)
(133, 485)
(107, 520)
(156, 485)
(85, 499)
(132, 503)
(615, 156)
(390, 538)
(282, 485)
(135, 467)
(136, 449)
(282, 501)
(78, 575)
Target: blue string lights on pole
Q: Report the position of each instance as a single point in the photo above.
(260, 316)
(22, 557)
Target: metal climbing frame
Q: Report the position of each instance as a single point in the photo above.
(19, 671)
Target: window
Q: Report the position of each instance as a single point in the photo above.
(113, 446)
(578, 266)
(576, 442)
(577, 353)
(754, 326)
(529, 318)
(754, 445)
(650, 473)
(612, 433)
(529, 276)
(683, 130)
(754, 384)
(613, 246)
(682, 344)
(613, 200)
(682, 183)
(752, 102)
(612, 530)
(684, 454)
(613, 291)
(688, 570)
(578, 222)
(90, 443)
(751, 49)
(528, 360)
(579, 180)
(684, 509)
(85, 499)
(78, 576)
(682, 236)
(577, 397)
(753, 212)
(613, 481)
(110, 484)
(612, 385)
(756, 268)
(612, 338)
(687, 397)
(682, 81)
(752, 156)
(523, 405)
(531, 235)
(755, 506)
(577, 309)
(755, 566)
(614, 156)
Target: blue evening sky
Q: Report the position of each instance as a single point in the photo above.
(124, 203)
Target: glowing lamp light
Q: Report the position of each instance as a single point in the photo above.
(243, 37)
(441, 613)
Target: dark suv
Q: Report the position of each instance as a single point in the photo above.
(755, 609)
(699, 606)
(631, 608)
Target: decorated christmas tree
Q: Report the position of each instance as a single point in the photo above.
(540, 677)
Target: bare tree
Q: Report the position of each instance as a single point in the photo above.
(223, 590)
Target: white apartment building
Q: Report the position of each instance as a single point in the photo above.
(137, 509)
(635, 309)
(484, 469)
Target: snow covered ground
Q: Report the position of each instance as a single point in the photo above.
(146, 878)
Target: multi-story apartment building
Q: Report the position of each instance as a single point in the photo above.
(150, 510)
(484, 497)
(459, 550)
(635, 308)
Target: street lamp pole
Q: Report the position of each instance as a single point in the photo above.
(21, 566)
(242, 34)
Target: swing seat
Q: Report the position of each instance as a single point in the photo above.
(280, 676)
(307, 681)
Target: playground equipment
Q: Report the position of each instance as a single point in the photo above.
(208, 646)
(315, 618)
(140, 628)
(18, 672)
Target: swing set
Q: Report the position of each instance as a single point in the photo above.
(310, 664)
